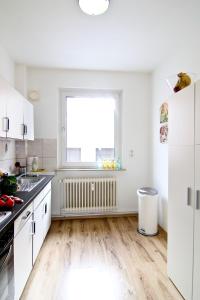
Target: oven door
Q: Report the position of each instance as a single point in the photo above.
(7, 274)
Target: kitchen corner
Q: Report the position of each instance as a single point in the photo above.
(27, 197)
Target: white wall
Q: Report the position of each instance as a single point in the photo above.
(7, 71)
(136, 105)
(187, 59)
(7, 66)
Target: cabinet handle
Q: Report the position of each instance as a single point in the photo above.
(6, 124)
(26, 215)
(189, 191)
(25, 129)
(197, 200)
(33, 228)
(45, 208)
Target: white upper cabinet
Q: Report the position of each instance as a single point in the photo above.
(16, 114)
(181, 117)
(28, 120)
(3, 120)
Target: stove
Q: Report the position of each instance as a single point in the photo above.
(4, 215)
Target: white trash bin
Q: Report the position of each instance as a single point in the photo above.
(148, 211)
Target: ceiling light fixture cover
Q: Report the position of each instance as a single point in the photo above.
(94, 7)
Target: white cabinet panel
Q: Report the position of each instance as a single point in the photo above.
(28, 120)
(3, 101)
(196, 291)
(181, 117)
(22, 257)
(14, 111)
(180, 218)
(197, 113)
(47, 213)
(38, 237)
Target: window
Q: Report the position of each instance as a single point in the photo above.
(90, 122)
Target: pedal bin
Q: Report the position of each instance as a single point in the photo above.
(148, 211)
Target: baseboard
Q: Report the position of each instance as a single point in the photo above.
(94, 216)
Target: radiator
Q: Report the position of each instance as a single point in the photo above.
(88, 194)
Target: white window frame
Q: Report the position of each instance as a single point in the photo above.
(64, 93)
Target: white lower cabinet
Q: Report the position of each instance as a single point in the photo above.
(47, 213)
(23, 256)
(42, 222)
(31, 228)
(38, 236)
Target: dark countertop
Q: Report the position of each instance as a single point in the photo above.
(28, 197)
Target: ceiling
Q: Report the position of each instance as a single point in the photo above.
(131, 35)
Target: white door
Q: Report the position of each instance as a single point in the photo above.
(196, 289)
(15, 114)
(22, 257)
(181, 117)
(3, 101)
(47, 213)
(180, 218)
(28, 120)
(197, 113)
(39, 230)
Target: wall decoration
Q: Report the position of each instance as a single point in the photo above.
(184, 80)
(164, 113)
(164, 133)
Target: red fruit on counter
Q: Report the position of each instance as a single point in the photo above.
(4, 196)
(2, 203)
(10, 202)
(17, 200)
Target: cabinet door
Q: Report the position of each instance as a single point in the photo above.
(196, 291)
(15, 114)
(180, 218)
(197, 113)
(22, 257)
(3, 101)
(28, 120)
(181, 117)
(38, 237)
(47, 213)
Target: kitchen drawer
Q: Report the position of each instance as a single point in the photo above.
(22, 219)
(46, 189)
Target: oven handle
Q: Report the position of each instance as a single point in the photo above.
(7, 258)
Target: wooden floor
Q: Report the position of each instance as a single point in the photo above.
(100, 259)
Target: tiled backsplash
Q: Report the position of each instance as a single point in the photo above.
(44, 149)
(7, 155)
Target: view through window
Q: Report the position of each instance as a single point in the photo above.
(90, 129)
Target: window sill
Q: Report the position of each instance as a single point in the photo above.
(89, 169)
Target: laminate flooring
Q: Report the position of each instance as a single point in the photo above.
(100, 259)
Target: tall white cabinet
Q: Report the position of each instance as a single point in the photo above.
(184, 192)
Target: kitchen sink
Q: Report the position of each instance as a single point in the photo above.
(28, 182)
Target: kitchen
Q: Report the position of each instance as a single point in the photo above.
(81, 133)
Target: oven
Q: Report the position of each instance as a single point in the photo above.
(7, 264)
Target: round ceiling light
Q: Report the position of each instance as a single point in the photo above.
(94, 7)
